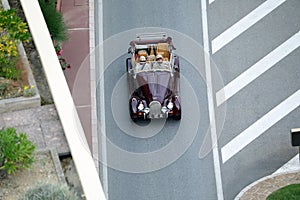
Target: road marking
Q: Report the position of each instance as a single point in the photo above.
(245, 23)
(78, 29)
(211, 1)
(258, 69)
(83, 106)
(210, 97)
(260, 126)
(102, 101)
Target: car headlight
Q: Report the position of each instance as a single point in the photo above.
(170, 105)
(164, 109)
(146, 110)
(141, 106)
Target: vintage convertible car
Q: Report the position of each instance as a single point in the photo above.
(153, 78)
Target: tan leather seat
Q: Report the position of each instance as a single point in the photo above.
(163, 49)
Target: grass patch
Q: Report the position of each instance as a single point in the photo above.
(290, 192)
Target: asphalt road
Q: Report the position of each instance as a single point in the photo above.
(262, 46)
(164, 161)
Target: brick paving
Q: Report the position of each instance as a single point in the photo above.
(264, 187)
(76, 52)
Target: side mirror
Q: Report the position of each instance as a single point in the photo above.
(129, 50)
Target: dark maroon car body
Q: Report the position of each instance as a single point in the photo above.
(154, 92)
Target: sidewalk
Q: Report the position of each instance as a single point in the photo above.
(42, 125)
(76, 52)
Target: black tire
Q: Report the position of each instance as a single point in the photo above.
(177, 117)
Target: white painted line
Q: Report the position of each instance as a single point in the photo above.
(258, 69)
(83, 106)
(64, 103)
(211, 107)
(260, 126)
(102, 120)
(211, 1)
(245, 23)
(78, 29)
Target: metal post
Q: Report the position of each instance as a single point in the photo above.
(299, 153)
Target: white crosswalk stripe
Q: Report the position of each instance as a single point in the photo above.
(268, 38)
(260, 126)
(258, 69)
(245, 23)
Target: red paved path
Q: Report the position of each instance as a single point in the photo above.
(75, 51)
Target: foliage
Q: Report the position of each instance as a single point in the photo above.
(13, 25)
(64, 64)
(54, 20)
(290, 192)
(12, 31)
(16, 151)
(57, 28)
(9, 90)
(12, 89)
(10, 72)
(28, 91)
(3, 88)
(50, 192)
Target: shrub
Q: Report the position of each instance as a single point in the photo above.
(28, 91)
(10, 72)
(8, 89)
(50, 192)
(54, 20)
(56, 27)
(12, 31)
(16, 151)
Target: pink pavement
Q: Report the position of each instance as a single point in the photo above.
(76, 53)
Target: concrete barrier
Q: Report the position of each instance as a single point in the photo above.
(63, 101)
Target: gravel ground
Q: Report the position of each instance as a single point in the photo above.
(42, 172)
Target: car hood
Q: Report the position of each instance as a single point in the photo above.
(154, 85)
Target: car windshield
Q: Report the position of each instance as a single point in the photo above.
(152, 66)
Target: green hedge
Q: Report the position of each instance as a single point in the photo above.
(16, 151)
(54, 20)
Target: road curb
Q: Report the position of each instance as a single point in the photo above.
(243, 193)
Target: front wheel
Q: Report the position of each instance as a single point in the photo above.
(176, 108)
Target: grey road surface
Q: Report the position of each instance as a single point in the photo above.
(254, 46)
(187, 177)
(248, 110)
